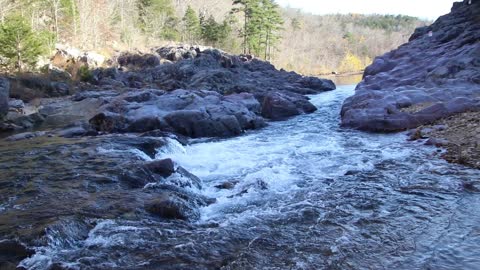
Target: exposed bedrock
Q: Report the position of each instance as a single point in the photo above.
(435, 75)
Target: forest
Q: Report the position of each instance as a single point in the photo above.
(293, 40)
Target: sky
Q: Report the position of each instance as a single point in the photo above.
(425, 9)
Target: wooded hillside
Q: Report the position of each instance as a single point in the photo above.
(293, 40)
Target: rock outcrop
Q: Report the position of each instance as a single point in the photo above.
(190, 91)
(187, 112)
(435, 75)
(198, 92)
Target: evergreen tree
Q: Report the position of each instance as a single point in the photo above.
(157, 18)
(213, 33)
(20, 44)
(247, 7)
(191, 25)
(272, 25)
(262, 22)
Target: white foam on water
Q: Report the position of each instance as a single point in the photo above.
(136, 152)
(172, 147)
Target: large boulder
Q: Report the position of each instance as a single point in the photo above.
(436, 74)
(4, 94)
(279, 106)
(186, 112)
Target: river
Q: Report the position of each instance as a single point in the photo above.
(308, 195)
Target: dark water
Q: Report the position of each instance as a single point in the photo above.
(319, 197)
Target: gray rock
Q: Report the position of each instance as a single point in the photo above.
(25, 136)
(164, 167)
(171, 206)
(429, 78)
(189, 113)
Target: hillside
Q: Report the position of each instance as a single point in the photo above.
(309, 44)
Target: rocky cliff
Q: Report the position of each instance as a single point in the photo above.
(435, 75)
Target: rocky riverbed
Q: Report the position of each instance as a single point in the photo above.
(297, 194)
(76, 153)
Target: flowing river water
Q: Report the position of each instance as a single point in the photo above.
(308, 195)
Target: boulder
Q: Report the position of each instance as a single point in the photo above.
(12, 252)
(137, 60)
(171, 206)
(429, 78)
(189, 113)
(279, 106)
(25, 136)
(164, 167)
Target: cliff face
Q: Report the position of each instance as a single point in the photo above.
(434, 75)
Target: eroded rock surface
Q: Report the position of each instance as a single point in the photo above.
(435, 75)
(186, 112)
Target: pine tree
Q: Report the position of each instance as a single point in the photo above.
(191, 25)
(272, 25)
(215, 34)
(157, 18)
(19, 43)
(247, 7)
(262, 22)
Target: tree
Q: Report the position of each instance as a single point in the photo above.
(213, 33)
(262, 22)
(19, 43)
(157, 18)
(247, 7)
(192, 28)
(272, 24)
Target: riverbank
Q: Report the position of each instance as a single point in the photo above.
(458, 134)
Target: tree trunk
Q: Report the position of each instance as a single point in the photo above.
(245, 33)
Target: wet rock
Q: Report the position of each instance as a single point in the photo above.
(159, 133)
(227, 185)
(317, 84)
(436, 142)
(352, 172)
(12, 252)
(425, 80)
(164, 167)
(4, 94)
(74, 132)
(169, 205)
(185, 179)
(279, 106)
(136, 178)
(25, 121)
(25, 136)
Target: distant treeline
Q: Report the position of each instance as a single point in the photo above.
(291, 39)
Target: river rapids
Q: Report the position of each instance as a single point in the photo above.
(305, 194)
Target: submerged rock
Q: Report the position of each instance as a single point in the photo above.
(431, 77)
(12, 252)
